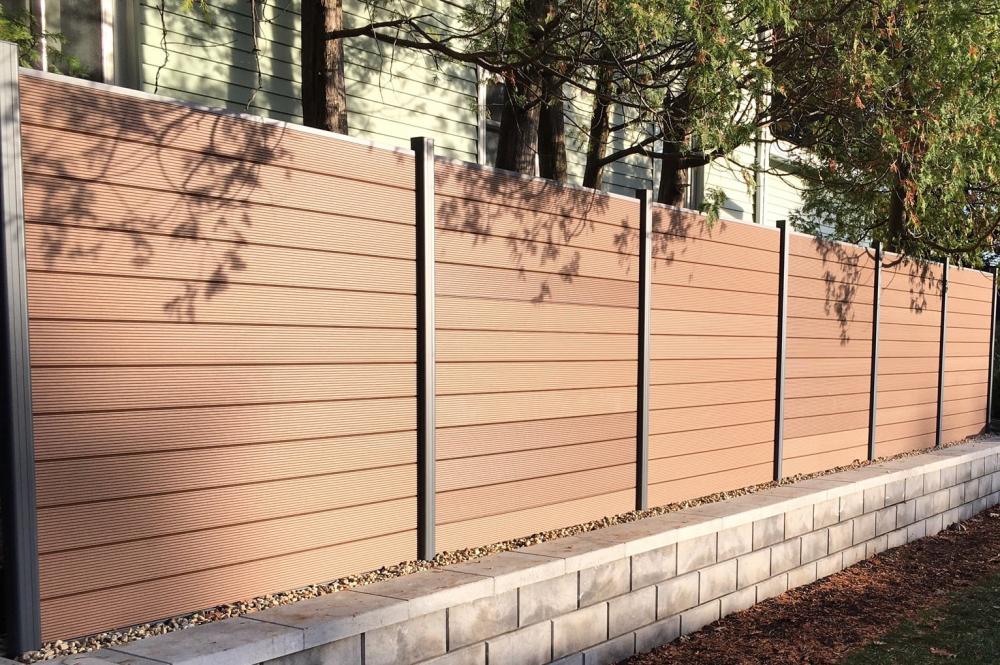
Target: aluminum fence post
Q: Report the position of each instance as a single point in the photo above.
(941, 353)
(423, 149)
(779, 381)
(645, 197)
(873, 396)
(993, 334)
(17, 457)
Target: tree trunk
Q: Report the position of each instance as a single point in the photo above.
(518, 140)
(552, 133)
(673, 175)
(897, 207)
(324, 91)
(599, 132)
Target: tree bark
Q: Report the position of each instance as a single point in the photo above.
(552, 133)
(673, 175)
(599, 132)
(518, 140)
(897, 206)
(324, 90)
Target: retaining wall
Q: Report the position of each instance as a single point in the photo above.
(602, 596)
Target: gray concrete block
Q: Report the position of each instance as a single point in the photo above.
(412, 640)
(544, 600)
(584, 550)
(604, 581)
(985, 486)
(932, 481)
(230, 642)
(433, 589)
(978, 466)
(477, 620)
(854, 554)
(914, 487)
(991, 464)
(735, 541)
(471, 655)
(717, 580)
(768, 531)
(829, 565)
(772, 587)
(654, 566)
(578, 630)
(676, 595)
(934, 524)
(864, 528)
(841, 536)
(802, 575)
(874, 498)
(697, 618)
(949, 476)
(657, 634)
(956, 496)
(738, 601)
(924, 507)
(906, 513)
(826, 513)
(611, 652)
(798, 521)
(328, 618)
(895, 492)
(631, 611)
(965, 511)
(916, 531)
(753, 568)
(949, 517)
(342, 652)
(531, 645)
(885, 520)
(971, 489)
(786, 555)
(851, 505)
(963, 472)
(696, 553)
(572, 659)
(815, 545)
(896, 538)
(100, 657)
(876, 546)
(511, 570)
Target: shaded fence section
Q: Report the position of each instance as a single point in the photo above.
(712, 347)
(224, 356)
(536, 357)
(222, 348)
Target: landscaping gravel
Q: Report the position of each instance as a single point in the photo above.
(110, 638)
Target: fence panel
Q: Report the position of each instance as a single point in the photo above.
(537, 347)
(222, 333)
(909, 336)
(967, 350)
(830, 291)
(712, 350)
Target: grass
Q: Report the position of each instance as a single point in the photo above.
(965, 629)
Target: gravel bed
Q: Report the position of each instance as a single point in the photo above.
(60, 648)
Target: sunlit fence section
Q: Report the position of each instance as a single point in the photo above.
(242, 382)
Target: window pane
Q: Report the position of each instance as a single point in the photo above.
(79, 23)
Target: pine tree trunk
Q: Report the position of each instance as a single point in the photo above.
(673, 176)
(552, 133)
(897, 207)
(324, 90)
(599, 132)
(518, 140)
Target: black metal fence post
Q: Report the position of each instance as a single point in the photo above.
(939, 420)
(873, 396)
(17, 456)
(993, 334)
(423, 149)
(645, 197)
(779, 382)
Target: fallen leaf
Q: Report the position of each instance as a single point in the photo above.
(944, 653)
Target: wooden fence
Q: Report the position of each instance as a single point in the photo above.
(227, 366)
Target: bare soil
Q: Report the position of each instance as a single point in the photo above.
(825, 621)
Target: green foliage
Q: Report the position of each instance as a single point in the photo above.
(902, 140)
(22, 29)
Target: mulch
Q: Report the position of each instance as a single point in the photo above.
(824, 621)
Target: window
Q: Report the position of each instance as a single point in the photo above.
(74, 37)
